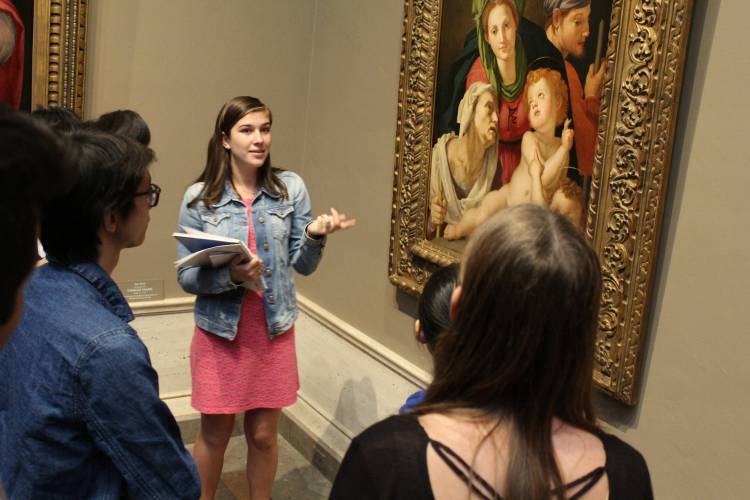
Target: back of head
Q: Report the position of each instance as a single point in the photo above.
(522, 339)
(61, 120)
(32, 169)
(521, 345)
(125, 122)
(109, 170)
(435, 303)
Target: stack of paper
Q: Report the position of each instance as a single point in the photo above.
(210, 250)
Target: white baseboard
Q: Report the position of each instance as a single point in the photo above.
(165, 306)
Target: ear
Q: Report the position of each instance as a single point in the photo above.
(110, 221)
(455, 296)
(419, 333)
(225, 141)
(557, 18)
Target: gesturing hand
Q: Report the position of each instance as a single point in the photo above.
(593, 85)
(329, 223)
(438, 207)
(567, 135)
(242, 270)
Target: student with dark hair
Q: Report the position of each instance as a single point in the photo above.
(31, 169)
(433, 317)
(79, 404)
(125, 122)
(509, 414)
(61, 120)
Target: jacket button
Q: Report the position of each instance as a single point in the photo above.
(261, 219)
(268, 272)
(265, 246)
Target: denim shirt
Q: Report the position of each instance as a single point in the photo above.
(80, 414)
(282, 244)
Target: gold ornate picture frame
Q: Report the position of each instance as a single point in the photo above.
(59, 54)
(645, 55)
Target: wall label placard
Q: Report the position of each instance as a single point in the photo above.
(138, 291)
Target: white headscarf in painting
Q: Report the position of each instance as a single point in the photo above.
(441, 180)
(468, 103)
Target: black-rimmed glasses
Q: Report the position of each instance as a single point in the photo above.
(153, 195)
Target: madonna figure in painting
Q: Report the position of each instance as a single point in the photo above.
(502, 63)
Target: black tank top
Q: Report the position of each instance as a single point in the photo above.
(484, 490)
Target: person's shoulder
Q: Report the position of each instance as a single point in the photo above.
(626, 468)
(528, 139)
(288, 176)
(618, 449)
(77, 306)
(73, 326)
(293, 182)
(476, 73)
(191, 194)
(444, 139)
(394, 432)
(193, 190)
(118, 348)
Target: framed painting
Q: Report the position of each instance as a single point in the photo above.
(579, 95)
(45, 65)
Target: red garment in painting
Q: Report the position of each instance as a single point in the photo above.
(585, 121)
(513, 122)
(11, 72)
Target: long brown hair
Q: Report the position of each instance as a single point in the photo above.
(521, 345)
(218, 166)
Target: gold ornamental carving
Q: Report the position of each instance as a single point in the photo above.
(59, 54)
(644, 61)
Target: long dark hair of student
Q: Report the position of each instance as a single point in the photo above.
(218, 166)
(520, 348)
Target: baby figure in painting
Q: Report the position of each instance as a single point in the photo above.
(541, 174)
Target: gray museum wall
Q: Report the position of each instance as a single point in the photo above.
(176, 63)
(330, 69)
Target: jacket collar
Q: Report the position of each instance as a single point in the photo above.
(104, 284)
(230, 194)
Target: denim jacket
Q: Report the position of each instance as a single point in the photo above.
(80, 414)
(281, 242)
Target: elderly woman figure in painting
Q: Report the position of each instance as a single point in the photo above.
(502, 63)
(464, 167)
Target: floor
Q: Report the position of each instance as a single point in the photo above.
(296, 478)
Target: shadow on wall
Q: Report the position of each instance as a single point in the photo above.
(702, 31)
(357, 407)
(407, 304)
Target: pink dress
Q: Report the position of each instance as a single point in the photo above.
(251, 371)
